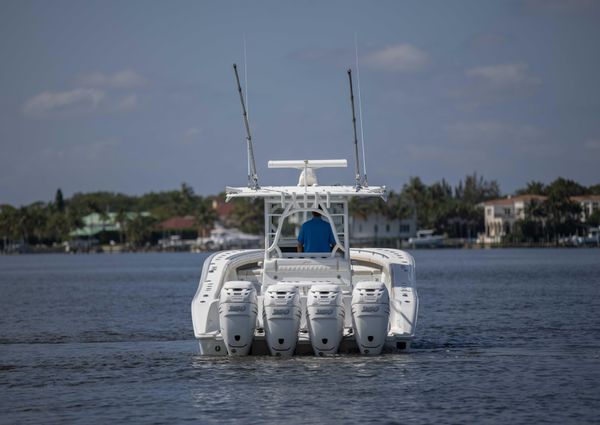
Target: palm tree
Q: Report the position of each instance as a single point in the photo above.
(8, 225)
(204, 216)
(121, 218)
(139, 229)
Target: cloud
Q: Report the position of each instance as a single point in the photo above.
(592, 144)
(192, 135)
(127, 103)
(506, 75)
(400, 58)
(121, 79)
(48, 102)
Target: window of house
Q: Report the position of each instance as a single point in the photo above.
(387, 228)
(375, 228)
(506, 211)
(360, 227)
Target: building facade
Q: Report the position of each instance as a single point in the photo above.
(377, 228)
(501, 215)
(589, 205)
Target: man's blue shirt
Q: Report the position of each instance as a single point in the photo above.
(316, 236)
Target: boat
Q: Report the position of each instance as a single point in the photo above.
(224, 238)
(591, 239)
(426, 239)
(281, 302)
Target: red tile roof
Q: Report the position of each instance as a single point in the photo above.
(224, 209)
(595, 198)
(511, 200)
(178, 223)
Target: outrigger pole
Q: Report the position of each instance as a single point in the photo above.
(252, 176)
(357, 168)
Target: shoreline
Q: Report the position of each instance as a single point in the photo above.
(115, 251)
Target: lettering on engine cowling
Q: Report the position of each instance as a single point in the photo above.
(237, 308)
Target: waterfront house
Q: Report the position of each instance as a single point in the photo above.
(588, 203)
(377, 228)
(501, 215)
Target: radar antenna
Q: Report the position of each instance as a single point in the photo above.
(252, 176)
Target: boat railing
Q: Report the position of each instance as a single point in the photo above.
(274, 251)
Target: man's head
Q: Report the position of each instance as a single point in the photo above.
(317, 213)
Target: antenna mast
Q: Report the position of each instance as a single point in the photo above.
(360, 114)
(252, 176)
(357, 168)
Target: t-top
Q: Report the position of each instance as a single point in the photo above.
(316, 236)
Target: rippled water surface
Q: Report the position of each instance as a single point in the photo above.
(509, 336)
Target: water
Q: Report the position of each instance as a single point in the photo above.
(509, 336)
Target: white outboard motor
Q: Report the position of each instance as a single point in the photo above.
(370, 316)
(325, 312)
(282, 314)
(237, 316)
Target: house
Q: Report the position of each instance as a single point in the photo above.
(176, 230)
(174, 224)
(588, 203)
(377, 228)
(103, 227)
(223, 209)
(501, 215)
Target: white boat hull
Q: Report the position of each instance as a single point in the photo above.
(215, 329)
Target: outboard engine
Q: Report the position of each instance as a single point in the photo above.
(370, 316)
(325, 312)
(282, 314)
(237, 316)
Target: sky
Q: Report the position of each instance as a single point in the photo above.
(140, 96)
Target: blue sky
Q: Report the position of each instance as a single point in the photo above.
(140, 96)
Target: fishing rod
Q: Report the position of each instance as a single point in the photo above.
(357, 163)
(252, 175)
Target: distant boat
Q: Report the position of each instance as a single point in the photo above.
(592, 238)
(426, 238)
(222, 238)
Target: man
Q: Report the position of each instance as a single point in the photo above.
(316, 235)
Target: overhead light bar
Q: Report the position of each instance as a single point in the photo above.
(309, 163)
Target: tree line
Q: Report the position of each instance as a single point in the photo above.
(458, 211)
(452, 210)
(50, 223)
